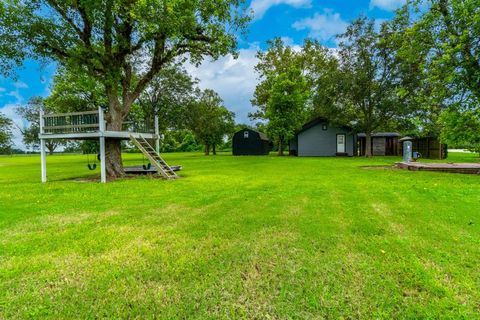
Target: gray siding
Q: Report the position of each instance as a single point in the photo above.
(315, 142)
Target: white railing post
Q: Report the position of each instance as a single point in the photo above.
(157, 135)
(101, 126)
(43, 153)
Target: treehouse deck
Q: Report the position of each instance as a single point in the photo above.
(466, 168)
(91, 125)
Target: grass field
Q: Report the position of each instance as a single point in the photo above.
(239, 237)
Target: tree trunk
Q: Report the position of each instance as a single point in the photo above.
(280, 147)
(51, 147)
(113, 158)
(368, 144)
(214, 150)
(113, 147)
(207, 149)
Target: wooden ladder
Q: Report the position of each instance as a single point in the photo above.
(162, 167)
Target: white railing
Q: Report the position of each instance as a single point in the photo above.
(87, 122)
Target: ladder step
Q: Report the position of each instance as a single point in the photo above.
(145, 147)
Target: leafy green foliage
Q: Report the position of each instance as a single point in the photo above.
(282, 93)
(440, 45)
(285, 110)
(179, 141)
(5, 134)
(169, 96)
(210, 121)
(31, 113)
(74, 92)
(461, 129)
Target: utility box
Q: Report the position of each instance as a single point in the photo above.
(407, 149)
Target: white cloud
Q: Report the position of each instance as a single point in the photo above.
(20, 85)
(259, 7)
(16, 93)
(323, 26)
(388, 5)
(233, 79)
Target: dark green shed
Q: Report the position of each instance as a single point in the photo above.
(248, 142)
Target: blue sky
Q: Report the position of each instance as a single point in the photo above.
(234, 80)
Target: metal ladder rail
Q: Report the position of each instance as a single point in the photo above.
(162, 167)
(157, 157)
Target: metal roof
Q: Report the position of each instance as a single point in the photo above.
(262, 135)
(380, 134)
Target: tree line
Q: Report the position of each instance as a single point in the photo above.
(190, 119)
(418, 73)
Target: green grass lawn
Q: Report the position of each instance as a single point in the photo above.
(239, 237)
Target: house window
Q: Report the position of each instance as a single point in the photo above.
(245, 134)
(324, 127)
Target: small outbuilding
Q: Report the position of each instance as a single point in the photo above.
(428, 147)
(248, 142)
(321, 138)
(382, 144)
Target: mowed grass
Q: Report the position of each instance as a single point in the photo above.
(239, 237)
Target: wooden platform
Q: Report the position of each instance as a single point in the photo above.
(466, 168)
(141, 170)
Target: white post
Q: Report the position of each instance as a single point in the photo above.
(101, 123)
(43, 153)
(157, 134)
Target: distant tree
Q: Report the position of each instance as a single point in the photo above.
(122, 44)
(285, 110)
(461, 128)
(179, 141)
(282, 94)
(31, 113)
(169, 96)
(210, 121)
(5, 134)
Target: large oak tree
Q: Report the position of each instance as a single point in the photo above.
(123, 44)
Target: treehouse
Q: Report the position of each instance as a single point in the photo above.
(91, 125)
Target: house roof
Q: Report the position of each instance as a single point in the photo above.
(380, 134)
(315, 122)
(262, 135)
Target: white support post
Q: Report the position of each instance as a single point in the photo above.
(43, 153)
(101, 125)
(157, 134)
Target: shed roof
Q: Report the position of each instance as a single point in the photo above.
(317, 121)
(262, 135)
(380, 134)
